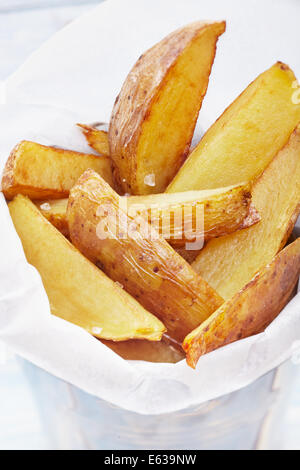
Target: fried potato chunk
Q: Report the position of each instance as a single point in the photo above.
(132, 253)
(229, 262)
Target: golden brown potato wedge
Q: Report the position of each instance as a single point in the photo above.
(155, 114)
(241, 143)
(142, 350)
(251, 309)
(96, 138)
(79, 292)
(179, 217)
(228, 263)
(206, 214)
(130, 251)
(41, 172)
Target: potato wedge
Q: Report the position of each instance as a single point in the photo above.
(155, 114)
(55, 211)
(130, 251)
(41, 172)
(243, 141)
(142, 350)
(96, 138)
(228, 263)
(220, 211)
(188, 255)
(79, 292)
(251, 309)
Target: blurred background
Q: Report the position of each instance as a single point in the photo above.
(24, 26)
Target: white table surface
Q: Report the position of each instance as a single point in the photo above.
(23, 27)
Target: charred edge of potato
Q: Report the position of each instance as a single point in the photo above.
(250, 310)
(97, 139)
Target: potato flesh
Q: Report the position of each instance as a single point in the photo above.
(148, 268)
(241, 143)
(40, 172)
(142, 350)
(228, 263)
(78, 291)
(250, 310)
(153, 119)
(219, 211)
(188, 255)
(96, 138)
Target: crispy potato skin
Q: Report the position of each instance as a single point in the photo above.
(42, 172)
(228, 263)
(155, 114)
(244, 140)
(148, 268)
(220, 212)
(250, 310)
(55, 211)
(79, 292)
(96, 138)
